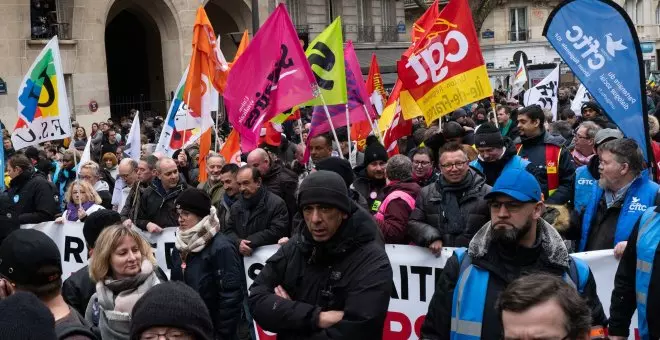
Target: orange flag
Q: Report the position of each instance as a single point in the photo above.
(245, 40)
(207, 70)
(232, 147)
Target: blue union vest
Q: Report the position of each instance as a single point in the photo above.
(648, 239)
(514, 163)
(470, 294)
(639, 197)
(584, 187)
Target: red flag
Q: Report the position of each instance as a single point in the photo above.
(271, 134)
(272, 76)
(400, 128)
(446, 69)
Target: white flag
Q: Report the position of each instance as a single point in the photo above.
(133, 142)
(545, 93)
(581, 97)
(86, 155)
(43, 108)
(519, 79)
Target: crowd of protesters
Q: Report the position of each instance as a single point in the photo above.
(514, 188)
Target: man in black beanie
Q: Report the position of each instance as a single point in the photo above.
(25, 317)
(495, 153)
(170, 309)
(370, 180)
(343, 168)
(296, 297)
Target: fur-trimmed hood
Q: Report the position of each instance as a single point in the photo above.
(553, 246)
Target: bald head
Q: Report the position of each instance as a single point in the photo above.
(168, 173)
(127, 171)
(259, 159)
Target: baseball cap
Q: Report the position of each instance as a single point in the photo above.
(518, 184)
(605, 135)
(29, 257)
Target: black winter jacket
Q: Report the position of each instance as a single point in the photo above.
(157, 206)
(351, 273)
(264, 224)
(34, 199)
(8, 219)
(624, 300)
(283, 183)
(505, 264)
(533, 149)
(428, 221)
(216, 274)
(366, 186)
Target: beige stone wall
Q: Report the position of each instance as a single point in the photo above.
(84, 56)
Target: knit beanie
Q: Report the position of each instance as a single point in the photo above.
(452, 130)
(172, 304)
(339, 166)
(196, 201)
(25, 317)
(374, 152)
(324, 187)
(96, 222)
(590, 105)
(459, 113)
(487, 135)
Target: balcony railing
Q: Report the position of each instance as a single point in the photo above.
(520, 35)
(390, 34)
(43, 30)
(366, 34)
(302, 29)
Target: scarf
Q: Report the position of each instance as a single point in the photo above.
(505, 129)
(423, 178)
(253, 201)
(72, 210)
(196, 238)
(120, 296)
(581, 159)
(451, 192)
(229, 201)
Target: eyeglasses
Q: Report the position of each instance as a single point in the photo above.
(421, 163)
(511, 206)
(169, 335)
(448, 166)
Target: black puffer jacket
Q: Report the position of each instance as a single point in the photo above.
(157, 206)
(505, 264)
(8, 219)
(351, 273)
(428, 221)
(533, 149)
(216, 274)
(263, 224)
(371, 189)
(283, 183)
(34, 199)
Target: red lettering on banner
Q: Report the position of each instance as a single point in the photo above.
(418, 325)
(395, 317)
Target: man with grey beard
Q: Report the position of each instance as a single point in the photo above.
(516, 242)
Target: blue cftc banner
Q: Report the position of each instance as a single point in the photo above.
(599, 43)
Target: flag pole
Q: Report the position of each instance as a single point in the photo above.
(371, 123)
(332, 126)
(348, 137)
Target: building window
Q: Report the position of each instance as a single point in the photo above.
(629, 6)
(47, 20)
(298, 14)
(639, 13)
(333, 10)
(518, 27)
(389, 28)
(365, 27)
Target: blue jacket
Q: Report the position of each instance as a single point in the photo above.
(584, 186)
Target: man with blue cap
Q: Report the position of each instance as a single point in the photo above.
(516, 242)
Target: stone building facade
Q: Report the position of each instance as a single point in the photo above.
(121, 54)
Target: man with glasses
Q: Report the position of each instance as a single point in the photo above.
(448, 212)
(496, 153)
(126, 179)
(584, 140)
(515, 243)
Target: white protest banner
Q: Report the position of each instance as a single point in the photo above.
(544, 93)
(70, 240)
(581, 97)
(415, 273)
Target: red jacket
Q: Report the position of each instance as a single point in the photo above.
(394, 226)
(656, 157)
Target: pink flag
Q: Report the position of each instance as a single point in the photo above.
(352, 64)
(271, 77)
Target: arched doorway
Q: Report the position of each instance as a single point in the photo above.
(229, 20)
(137, 34)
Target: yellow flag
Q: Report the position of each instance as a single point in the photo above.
(326, 56)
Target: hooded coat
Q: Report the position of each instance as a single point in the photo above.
(505, 264)
(34, 199)
(350, 272)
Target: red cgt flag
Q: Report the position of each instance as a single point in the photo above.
(400, 128)
(446, 69)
